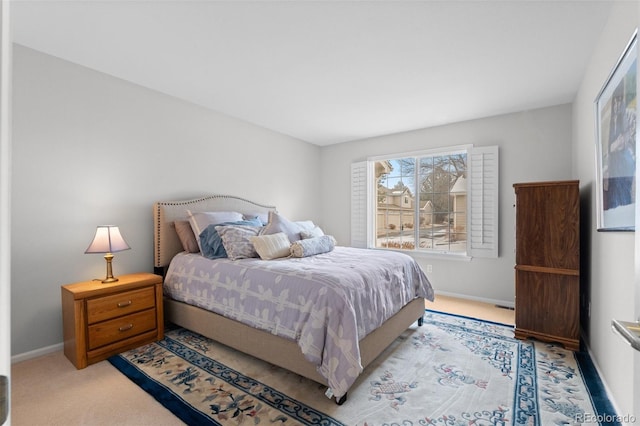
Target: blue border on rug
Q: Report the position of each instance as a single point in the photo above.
(276, 399)
(164, 396)
(599, 397)
(526, 406)
(598, 394)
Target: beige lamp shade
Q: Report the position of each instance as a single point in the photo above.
(108, 240)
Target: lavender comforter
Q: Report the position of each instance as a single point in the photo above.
(327, 303)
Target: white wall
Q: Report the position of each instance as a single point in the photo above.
(534, 146)
(608, 256)
(90, 149)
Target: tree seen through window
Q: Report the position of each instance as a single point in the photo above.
(421, 203)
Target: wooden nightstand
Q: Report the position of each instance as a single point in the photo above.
(101, 320)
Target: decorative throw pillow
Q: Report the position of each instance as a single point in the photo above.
(237, 240)
(200, 220)
(278, 223)
(186, 236)
(311, 233)
(211, 242)
(305, 224)
(313, 246)
(271, 246)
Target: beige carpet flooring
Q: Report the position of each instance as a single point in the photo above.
(48, 390)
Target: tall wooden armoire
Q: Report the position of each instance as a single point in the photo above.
(548, 262)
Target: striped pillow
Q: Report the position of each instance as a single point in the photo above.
(271, 246)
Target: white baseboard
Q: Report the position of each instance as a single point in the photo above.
(508, 304)
(37, 352)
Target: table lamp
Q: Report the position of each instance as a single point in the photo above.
(108, 240)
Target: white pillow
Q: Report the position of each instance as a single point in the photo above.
(305, 224)
(311, 233)
(200, 220)
(278, 223)
(271, 246)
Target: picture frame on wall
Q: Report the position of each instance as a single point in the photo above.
(616, 114)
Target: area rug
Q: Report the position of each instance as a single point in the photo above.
(452, 370)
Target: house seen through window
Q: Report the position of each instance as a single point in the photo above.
(421, 202)
(440, 201)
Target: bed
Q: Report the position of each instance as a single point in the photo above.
(323, 342)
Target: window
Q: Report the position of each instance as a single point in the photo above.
(431, 201)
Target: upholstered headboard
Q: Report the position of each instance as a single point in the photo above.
(166, 243)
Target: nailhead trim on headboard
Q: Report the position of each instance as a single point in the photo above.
(166, 242)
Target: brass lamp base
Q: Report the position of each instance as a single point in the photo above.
(110, 278)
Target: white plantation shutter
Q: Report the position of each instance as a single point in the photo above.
(483, 187)
(359, 212)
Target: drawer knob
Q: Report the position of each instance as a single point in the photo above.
(124, 304)
(126, 327)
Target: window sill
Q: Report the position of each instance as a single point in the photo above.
(425, 255)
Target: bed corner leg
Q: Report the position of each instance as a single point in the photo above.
(341, 400)
(420, 321)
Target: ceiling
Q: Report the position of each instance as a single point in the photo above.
(330, 71)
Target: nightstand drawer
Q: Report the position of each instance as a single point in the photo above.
(121, 328)
(107, 307)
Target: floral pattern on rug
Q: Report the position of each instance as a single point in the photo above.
(223, 394)
(451, 375)
(479, 338)
(428, 340)
(452, 371)
(230, 404)
(387, 387)
(196, 341)
(559, 392)
(546, 386)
